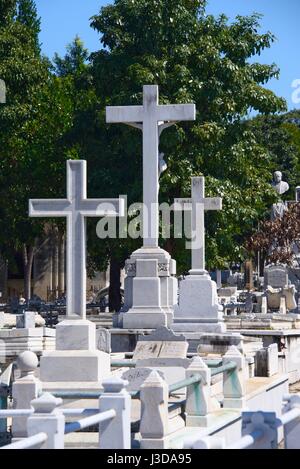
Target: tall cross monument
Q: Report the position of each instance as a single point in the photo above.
(150, 284)
(198, 309)
(198, 204)
(76, 358)
(152, 118)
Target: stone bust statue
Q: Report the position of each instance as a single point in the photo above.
(281, 187)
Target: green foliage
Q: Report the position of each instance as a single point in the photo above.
(279, 137)
(33, 124)
(56, 112)
(74, 62)
(27, 16)
(7, 11)
(193, 58)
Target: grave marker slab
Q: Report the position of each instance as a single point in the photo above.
(162, 343)
(165, 352)
(276, 276)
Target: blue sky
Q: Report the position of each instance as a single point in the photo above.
(63, 19)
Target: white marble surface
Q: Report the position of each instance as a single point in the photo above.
(151, 118)
(76, 208)
(154, 426)
(198, 204)
(75, 366)
(76, 335)
(198, 308)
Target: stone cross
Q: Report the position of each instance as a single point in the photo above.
(151, 118)
(76, 208)
(2, 92)
(198, 204)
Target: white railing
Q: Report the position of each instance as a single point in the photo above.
(157, 426)
(247, 440)
(46, 426)
(29, 443)
(260, 430)
(90, 421)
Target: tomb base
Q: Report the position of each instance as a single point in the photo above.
(219, 344)
(150, 290)
(69, 366)
(212, 343)
(76, 358)
(137, 319)
(198, 309)
(190, 325)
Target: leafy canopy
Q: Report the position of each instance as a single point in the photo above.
(193, 58)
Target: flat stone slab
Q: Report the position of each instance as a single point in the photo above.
(163, 334)
(160, 350)
(11, 333)
(74, 366)
(162, 343)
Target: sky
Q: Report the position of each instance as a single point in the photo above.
(63, 19)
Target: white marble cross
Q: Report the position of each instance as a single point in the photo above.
(2, 92)
(198, 204)
(76, 208)
(152, 118)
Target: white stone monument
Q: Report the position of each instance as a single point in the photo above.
(76, 358)
(150, 285)
(2, 92)
(198, 309)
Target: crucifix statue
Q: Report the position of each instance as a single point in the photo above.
(152, 118)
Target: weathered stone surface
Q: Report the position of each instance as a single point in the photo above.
(162, 343)
(137, 376)
(163, 334)
(103, 339)
(78, 366)
(266, 361)
(148, 297)
(25, 320)
(276, 276)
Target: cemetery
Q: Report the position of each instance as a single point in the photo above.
(179, 348)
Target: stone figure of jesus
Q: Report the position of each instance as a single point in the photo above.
(281, 187)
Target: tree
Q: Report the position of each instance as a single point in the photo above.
(278, 135)
(32, 122)
(193, 58)
(75, 60)
(27, 15)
